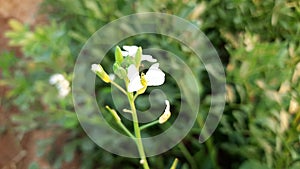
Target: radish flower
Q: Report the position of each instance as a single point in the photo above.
(61, 83)
(153, 77)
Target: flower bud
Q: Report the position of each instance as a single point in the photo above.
(119, 71)
(97, 68)
(166, 115)
(138, 57)
(118, 55)
(114, 113)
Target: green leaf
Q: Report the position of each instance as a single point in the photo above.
(69, 151)
(33, 165)
(253, 164)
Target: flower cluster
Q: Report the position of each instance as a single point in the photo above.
(127, 67)
(137, 82)
(153, 77)
(61, 83)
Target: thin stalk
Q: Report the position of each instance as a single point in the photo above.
(137, 132)
(119, 87)
(187, 155)
(126, 130)
(135, 96)
(149, 125)
(119, 121)
(209, 144)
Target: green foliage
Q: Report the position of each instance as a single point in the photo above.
(46, 52)
(258, 42)
(33, 165)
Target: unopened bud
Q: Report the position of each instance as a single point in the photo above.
(118, 55)
(97, 68)
(138, 57)
(166, 115)
(114, 113)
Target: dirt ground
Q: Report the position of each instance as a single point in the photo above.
(15, 151)
(25, 11)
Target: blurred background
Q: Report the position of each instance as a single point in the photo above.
(258, 43)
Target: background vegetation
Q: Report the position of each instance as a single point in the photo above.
(258, 42)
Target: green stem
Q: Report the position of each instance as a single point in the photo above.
(135, 96)
(126, 130)
(119, 87)
(149, 125)
(187, 155)
(137, 132)
(209, 144)
(119, 122)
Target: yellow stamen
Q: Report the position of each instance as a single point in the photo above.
(144, 83)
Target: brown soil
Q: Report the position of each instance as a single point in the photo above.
(18, 151)
(22, 10)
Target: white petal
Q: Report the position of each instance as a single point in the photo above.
(134, 79)
(167, 106)
(63, 84)
(64, 92)
(96, 68)
(124, 53)
(135, 84)
(155, 76)
(131, 50)
(148, 58)
(56, 78)
(132, 72)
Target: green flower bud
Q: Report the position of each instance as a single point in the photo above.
(114, 113)
(118, 55)
(97, 68)
(119, 71)
(138, 57)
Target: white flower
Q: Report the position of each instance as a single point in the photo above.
(131, 51)
(62, 85)
(63, 92)
(166, 115)
(153, 77)
(56, 78)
